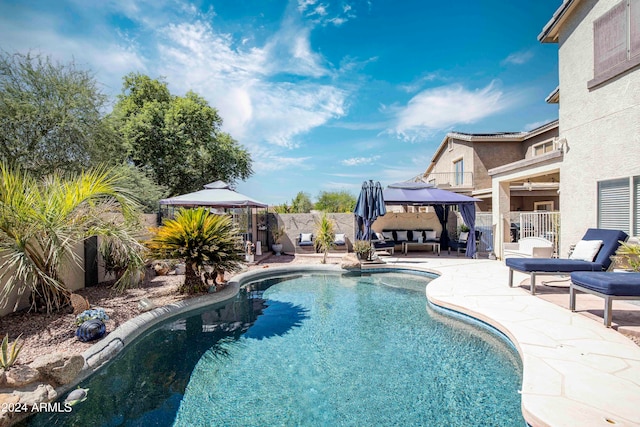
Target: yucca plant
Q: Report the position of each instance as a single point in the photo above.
(9, 355)
(325, 236)
(201, 239)
(42, 223)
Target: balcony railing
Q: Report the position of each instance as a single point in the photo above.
(450, 179)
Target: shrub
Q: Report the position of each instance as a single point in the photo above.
(9, 355)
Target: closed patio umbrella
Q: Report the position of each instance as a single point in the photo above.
(369, 206)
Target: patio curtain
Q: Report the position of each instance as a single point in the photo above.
(443, 216)
(468, 212)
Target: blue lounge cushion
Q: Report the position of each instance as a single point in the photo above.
(610, 241)
(552, 265)
(616, 284)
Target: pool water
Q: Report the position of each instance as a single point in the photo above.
(310, 350)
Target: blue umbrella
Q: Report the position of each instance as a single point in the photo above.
(369, 206)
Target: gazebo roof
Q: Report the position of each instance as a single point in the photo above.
(216, 194)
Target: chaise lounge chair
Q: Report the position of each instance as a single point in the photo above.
(609, 286)
(592, 253)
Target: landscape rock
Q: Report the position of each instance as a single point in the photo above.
(350, 262)
(60, 368)
(21, 375)
(23, 401)
(42, 393)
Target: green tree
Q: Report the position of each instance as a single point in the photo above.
(177, 139)
(202, 240)
(42, 223)
(301, 203)
(336, 202)
(282, 209)
(141, 186)
(51, 117)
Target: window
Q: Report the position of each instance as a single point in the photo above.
(543, 206)
(616, 41)
(619, 204)
(458, 167)
(545, 147)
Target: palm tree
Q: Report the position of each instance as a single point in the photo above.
(325, 236)
(42, 223)
(202, 240)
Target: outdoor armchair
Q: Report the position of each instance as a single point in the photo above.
(305, 242)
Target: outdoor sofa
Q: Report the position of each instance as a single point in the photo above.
(397, 237)
(608, 285)
(592, 253)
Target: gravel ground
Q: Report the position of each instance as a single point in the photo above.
(44, 334)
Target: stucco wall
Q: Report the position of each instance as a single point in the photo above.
(72, 275)
(489, 155)
(294, 224)
(601, 126)
(460, 150)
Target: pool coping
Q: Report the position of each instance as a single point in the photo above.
(575, 371)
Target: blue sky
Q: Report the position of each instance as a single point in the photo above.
(324, 94)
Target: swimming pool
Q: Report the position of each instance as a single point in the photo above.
(321, 349)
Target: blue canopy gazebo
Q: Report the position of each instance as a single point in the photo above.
(423, 194)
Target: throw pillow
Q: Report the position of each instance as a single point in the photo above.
(380, 236)
(402, 236)
(430, 235)
(463, 236)
(417, 235)
(586, 250)
(306, 237)
(388, 235)
(340, 238)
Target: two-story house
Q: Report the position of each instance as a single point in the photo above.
(467, 162)
(599, 114)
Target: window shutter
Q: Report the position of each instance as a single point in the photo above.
(636, 206)
(613, 204)
(610, 38)
(634, 24)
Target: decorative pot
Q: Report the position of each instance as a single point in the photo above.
(277, 248)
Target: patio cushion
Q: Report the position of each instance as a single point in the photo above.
(552, 265)
(430, 235)
(401, 236)
(617, 284)
(306, 237)
(610, 241)
(388, 235)
(340, 239)
(586, 250)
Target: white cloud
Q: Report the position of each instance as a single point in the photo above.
(354, 161)
(323, 14)
(518, 58)
(440, 108)
(237, 80)
(534, 125)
